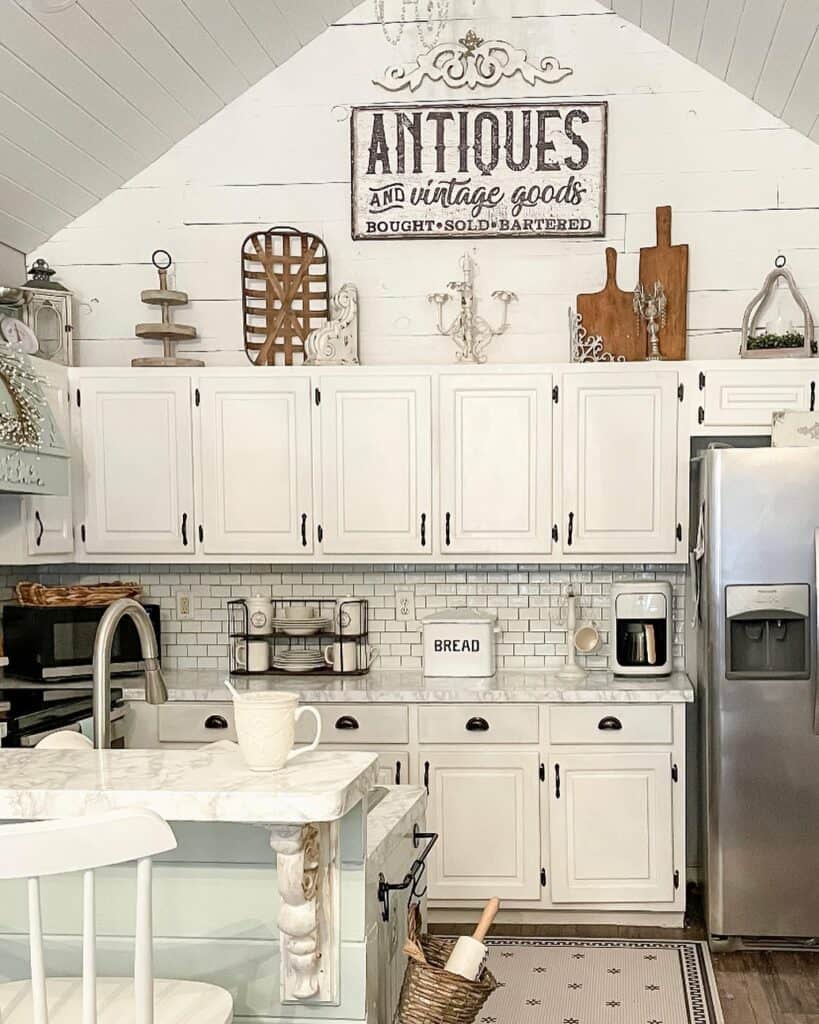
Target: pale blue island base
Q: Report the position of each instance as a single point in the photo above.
(271, 892)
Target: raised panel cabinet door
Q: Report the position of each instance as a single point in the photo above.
(485, 807)
(496, 464)
(256, 466)
(750, 397)
(619, 463)
(376, 463)
(611, 828)
(137, 464)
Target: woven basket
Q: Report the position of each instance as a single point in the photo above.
(86, 595)
(431, 995)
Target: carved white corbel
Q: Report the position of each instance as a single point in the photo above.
(308, 911)
(336, 344)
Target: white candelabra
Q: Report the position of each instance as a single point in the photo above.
(470, 332)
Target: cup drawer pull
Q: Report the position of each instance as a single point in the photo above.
(610, 724)
(347, 722)
(216, 722)
(477, 725)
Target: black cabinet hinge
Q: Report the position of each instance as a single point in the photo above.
(555, 533)
(702, 381)
(701, 415)
(319, 533)
(79, 398)
(317, 396)
(542, 772)
(82, 532)
(679, 531)
(675, 773)
(543, 878)
(681, 392)
(676, 879)
(555, 394)
(196, 396)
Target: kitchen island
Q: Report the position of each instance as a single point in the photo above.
(267, 892)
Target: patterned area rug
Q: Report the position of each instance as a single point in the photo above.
(587, 981)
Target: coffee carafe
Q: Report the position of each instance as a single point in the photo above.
(642, 628)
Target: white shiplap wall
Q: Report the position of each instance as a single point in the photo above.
(743, 185)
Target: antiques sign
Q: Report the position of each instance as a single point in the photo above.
(488, 170)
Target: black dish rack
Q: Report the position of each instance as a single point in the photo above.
(355, 649)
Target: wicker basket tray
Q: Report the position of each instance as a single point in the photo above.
(84, 595)
(431, 995)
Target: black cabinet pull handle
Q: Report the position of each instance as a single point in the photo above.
(40, 529)
(813, 396)
(398, 773)
(201, 533)
(216, 722)
(185, 528)
(557, 781)
(426, 776)
(347, 722)
(477, 725)
(570, 536)
(610, 724)
(448, 526)
(304, 529)
(423, 529)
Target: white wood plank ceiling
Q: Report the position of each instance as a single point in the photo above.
(92, 91)
(766, 49)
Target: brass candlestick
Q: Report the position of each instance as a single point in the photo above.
(651, 306)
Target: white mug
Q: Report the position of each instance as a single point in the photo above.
(252, 655)
(259, 615)
(349, 656)
(348, 619)
(266, 728)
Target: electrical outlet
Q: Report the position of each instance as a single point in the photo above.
(405, 605)
(183, 605)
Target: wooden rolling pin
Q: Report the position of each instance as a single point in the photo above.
(466, 959)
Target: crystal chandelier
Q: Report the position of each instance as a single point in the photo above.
(430, 21)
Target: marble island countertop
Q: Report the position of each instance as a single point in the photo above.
(210, 784)
(401, 687)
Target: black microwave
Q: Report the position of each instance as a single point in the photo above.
(53, 644)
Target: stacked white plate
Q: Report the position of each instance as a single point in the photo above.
(303, 626)
(298, 661)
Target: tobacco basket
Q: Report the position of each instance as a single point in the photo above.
(285, 293)
(431, 995)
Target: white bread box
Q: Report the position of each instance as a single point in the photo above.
(460, 642)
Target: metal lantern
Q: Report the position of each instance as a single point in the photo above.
(777, 337)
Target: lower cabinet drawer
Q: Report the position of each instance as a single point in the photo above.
(478, 723)
(196, 723)
(611, 724)
(357, 725)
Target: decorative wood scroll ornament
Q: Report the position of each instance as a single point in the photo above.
(285, 293)
(777, 343)
(336, 344)
(472, 62)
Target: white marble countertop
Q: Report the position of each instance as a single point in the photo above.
(401, 687)
(209, 784)
(390, 820)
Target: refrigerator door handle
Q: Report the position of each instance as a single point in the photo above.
(816, 651)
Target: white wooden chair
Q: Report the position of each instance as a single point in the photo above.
(33, 850)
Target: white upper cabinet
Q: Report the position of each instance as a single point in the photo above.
(495, 464)
(376, 464)
(137, 464)
(619, 443)
(748, 397)
(611, 828)
(255, 465)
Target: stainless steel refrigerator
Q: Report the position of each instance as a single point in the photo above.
(757, 678)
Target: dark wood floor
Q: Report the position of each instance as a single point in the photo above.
(754, 988)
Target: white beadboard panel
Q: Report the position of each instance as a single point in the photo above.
(757, 28)
(792, 40)
(800, 108)
(224, 23)
(275, 35)
(656, 18)
(719, 34)
(687, 24)
(21, 165)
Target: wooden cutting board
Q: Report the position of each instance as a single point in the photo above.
(610, 314)
(668, 264)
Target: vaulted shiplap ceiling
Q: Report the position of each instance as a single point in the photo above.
(92, 91)
(766, 49)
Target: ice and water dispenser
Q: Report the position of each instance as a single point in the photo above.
(767, 632)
